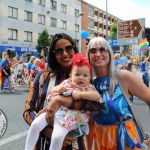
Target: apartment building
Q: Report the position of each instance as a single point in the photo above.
(22, 21)
(94, 21)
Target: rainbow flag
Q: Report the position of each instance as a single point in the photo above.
(143, 45)
(2, 65)
(12, 69)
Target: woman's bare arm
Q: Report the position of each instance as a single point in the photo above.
(135, 86)
(146, 59)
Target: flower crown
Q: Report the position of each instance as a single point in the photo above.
(80, 60)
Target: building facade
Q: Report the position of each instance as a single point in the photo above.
(22, 21)
(94, 21)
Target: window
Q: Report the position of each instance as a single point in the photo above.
(76, 28)
(41, 2)
(91, 12)
(41, 19)
(76, 13)
(104, 16)
(53, 22)
(91, 33)
(28, 36)
(39, 35)
(28, 16)
(12, 12)
(63, 24)
(12, 34)
(28, 0)
(101, 15)
(53, 4)
(63, 8)
(91, 23)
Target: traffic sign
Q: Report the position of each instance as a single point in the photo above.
(112, 42)
(128, 30)
(132, 41)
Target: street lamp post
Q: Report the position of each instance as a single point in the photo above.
(76, 26)
(106, 21)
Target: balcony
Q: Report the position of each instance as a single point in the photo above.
(96, 17)
(95, 28)
(104, 21)
(100, 19)
(100, 30)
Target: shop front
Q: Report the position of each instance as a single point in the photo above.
(13, 51)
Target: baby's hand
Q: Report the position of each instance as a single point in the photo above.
(61, 89)
(76, 94)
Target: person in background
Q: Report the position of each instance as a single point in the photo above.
(42, 63)
(6, 72)
(35, 69)
(25, 72)
(117, 64)
(30, 63)
(123, 61)
(144, 70)
(129, 64)
(20, 78)
(134, 64)
(115, 127)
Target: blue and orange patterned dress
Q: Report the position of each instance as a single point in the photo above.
(114, 128)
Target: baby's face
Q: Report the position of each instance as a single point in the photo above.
(80, 75)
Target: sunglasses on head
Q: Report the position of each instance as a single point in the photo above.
(102, 50)
(60, 51)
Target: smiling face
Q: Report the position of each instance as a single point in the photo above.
(99, 59)
(80, 75)
(65, 60)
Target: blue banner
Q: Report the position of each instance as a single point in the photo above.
(18, 49)
(112, 42)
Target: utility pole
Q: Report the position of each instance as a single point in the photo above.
(76, 26)
(106, 21)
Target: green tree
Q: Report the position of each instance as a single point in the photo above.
(113, 31)
(43, 41)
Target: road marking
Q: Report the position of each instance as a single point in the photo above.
(14, 137)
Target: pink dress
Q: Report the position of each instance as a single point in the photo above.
(71, 119)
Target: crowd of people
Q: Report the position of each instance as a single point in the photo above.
(130, 63)
(11, 74)
(111, 122)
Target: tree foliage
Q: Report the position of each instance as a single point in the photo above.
(43, 40)
(113, 31)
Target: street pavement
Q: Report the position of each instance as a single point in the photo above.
(12, 104)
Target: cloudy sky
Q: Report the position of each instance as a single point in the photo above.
(125, 9)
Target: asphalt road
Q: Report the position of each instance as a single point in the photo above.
(12, 104)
